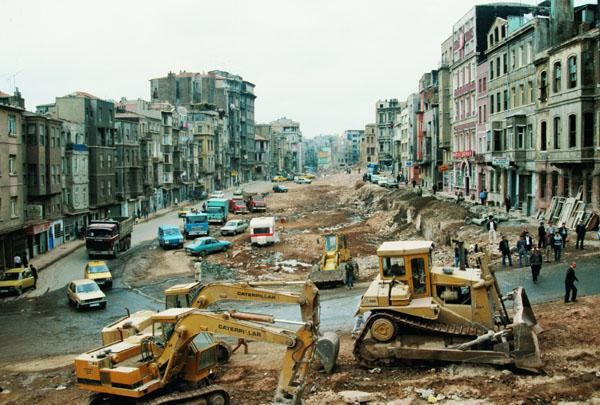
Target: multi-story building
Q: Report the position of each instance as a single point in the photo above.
(485, 178)
(469, 41)
(12, 180)
(568, 161)
(408, 137)
(287, 132)
(128, 164)
(427, 118)
(261, 156)
(204, 126)
(98, 116)
(370, 146)
(75, 188)
(385, 114)
(445, 115)
(44, 225)
(183, 183)
(356, 138)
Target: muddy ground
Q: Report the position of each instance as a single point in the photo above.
(368, 215)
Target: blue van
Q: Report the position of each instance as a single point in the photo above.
(169, 236)
(195, 224)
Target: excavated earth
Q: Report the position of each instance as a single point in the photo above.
(368, 215)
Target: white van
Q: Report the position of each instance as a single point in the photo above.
(262, 231)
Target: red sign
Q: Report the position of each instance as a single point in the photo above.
(463, 154)
(37, 228)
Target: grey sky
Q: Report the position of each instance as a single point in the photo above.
(323, 63)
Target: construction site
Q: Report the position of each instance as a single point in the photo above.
(419, 347)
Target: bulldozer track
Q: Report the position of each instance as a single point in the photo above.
(187, 395)
(412, 323)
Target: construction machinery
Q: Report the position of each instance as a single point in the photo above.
(417, 311)
(334, 262)
(180, 349)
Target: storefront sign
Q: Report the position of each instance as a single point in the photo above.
(443, 168)
(408, 163)
(501, 161)
(463, 154)
(37, 228)
(34, 211)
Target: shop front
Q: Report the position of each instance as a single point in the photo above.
(37, 238)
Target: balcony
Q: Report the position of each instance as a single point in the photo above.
(568, 155)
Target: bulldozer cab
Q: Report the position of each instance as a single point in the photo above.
(181, 295)
(407, 262)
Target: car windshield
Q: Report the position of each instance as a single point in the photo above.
(330, 243)
(231, 223)
(101, 268)
(11, 276)
(99, 233)
(87, 287)
(171, 232)
(195, 219)
(213, 210)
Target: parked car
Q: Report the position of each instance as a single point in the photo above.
(183, 211)
(234, 227)
(98, 271)
(237, 205)
(309, 175)
(391, 183)
(16, 280)
(170, 236)
(278, 178)
(206, 245)
(302, 180)
(256, 203)
(290, 176)
(85, 293)
(280, 188)
(374, 178)
(216, 194)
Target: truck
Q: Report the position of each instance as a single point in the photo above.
(256, 202)
(195, 224)
(262, 231)
(216, 210)
(237, 205)
(109, 236)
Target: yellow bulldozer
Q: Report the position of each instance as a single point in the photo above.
(334, 262)
(417, 311)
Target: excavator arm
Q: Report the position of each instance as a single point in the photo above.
(186, 325)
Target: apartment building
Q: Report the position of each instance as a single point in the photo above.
(75, 187)
(385, 114)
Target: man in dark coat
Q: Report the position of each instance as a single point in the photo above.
(34, 273)
(570, 278)
(504, 248)
(536, 264)
(562, 231)
(580, 231)
(541, 236)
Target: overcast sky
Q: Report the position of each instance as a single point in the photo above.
(323, 63)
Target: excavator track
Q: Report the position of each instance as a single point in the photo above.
(427, 329)
(211, 395)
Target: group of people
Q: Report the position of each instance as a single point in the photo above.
(22, 262)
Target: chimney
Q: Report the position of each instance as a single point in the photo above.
(562, 20)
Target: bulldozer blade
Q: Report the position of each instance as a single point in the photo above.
(320, 277)
(525, 328)
(327, 349)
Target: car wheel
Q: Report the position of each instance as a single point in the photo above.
(202, 253)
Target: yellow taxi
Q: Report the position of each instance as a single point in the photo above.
(183, 212)
(278, 178)
(16, 280)
(309, 176)
(98, 271)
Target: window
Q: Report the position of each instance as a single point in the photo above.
(498, 66)
(484, 113)
(543, 86)
(505, 63)
(479, 117)
(12, 165)
(572, 131)
(484, 83)
(505, 100)
(557, 77)
(109, 188)
(588, 129)
(109, 160)
(530, 90)
(542, 185)
(491, 69)
(498, 103)
(512, 59)
(522, 94)
(419, 278)
(497, 141)
(393, 266)
(520, 137)
(492, 104)
(572, 63)
(513, 97)
(530, 137)
(101, 161)
(12, 125)
(13, 207)
(556, 132)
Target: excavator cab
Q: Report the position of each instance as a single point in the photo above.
(335, 259)
(420, 311)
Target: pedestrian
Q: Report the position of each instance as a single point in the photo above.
(492, 227)
(456, 255)
(536, 264)
(17, 260)
(549, 245)
(523, 253)
(563, 234)
(434, 189)
(580, 231)
(507, 203)
(557, 244)
(414, 183)
(483, 196)
(504, 248)
(398, 178)
(528, 242)
(541, 235)
(34, 273)
(349, 277)
(570, 289)
(524, 231)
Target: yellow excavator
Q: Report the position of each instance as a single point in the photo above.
(417, 311)
(180, 348)
(335, 260)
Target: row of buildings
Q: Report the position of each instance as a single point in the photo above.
(513, 108)
(82, 157)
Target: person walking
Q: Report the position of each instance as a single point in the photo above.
(349, 276)
(580, 231)
(570, 278)
(507, 203)
(492, 227)
(504, 248)
(456, 255)
(563, 234)
(557, 244)
(434, 189)
(541, 236)
(528, 242)
(549, 245)
(414, 183)
(523, 253)
(483, 196)
(536, 264)
(34, 273)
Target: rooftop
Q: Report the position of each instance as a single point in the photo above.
(404, 247)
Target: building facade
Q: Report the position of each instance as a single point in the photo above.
(385, 115)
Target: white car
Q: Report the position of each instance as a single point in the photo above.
(382, 181)
(234, 227)
(217, 194)
(85, 293)
(302, 180)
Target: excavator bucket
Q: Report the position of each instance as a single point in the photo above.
(525, 329)
(325, 277)
(327, 349)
